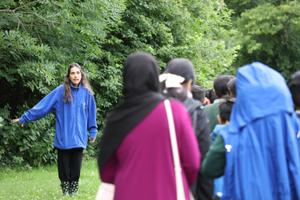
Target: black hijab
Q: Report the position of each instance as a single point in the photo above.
(141, 96)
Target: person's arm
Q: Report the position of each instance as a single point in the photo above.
(42, 108)
(213, 165)
(206, 101)
(92, 123)
(203, 132)
(108, 172)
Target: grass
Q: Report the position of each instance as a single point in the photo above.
(43, 183)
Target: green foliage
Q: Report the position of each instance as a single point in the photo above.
(270, 33)
(197, 30)
(32, 145)
(38, 39)
(240, 6)
(214, 49)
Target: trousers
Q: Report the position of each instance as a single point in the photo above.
(69, 164)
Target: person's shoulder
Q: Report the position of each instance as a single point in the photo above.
(86, 90)
(58, 89)
(176, 104)
(212, 106)
(224, 131)
(192, 105)
(209, 106)
(192, 101)
(178, 109)
(219, 127)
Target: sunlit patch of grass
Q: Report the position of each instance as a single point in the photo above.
(43, 183)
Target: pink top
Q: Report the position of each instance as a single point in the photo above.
(142, 168)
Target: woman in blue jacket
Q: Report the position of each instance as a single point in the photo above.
(75, 110)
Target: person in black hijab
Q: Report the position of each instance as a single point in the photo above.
(135, 149)
(140, 96)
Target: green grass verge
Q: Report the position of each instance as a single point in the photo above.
(43, 183)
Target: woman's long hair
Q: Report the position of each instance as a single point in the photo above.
(84, 81)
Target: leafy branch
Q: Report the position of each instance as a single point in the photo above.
(16, 12)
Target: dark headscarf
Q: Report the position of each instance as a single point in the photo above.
(141, 96)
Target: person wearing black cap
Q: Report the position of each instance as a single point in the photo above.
(202, 189)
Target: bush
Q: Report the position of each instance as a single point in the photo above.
(38, 39)
(31, 145)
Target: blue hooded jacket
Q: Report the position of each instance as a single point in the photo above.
(74, 120)
(262, 140)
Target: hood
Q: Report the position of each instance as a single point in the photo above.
(261, 91)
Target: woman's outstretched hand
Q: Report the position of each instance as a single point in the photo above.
(16, 121)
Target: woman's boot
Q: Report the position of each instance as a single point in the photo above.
(65, 187)
(73, 188)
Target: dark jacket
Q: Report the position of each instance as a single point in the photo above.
(212, 111)
(203, 188)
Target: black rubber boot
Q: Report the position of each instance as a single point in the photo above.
(73, 189)
(65, 187)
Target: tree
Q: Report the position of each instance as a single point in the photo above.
(270, 33)
(198, 30)
(39, 38)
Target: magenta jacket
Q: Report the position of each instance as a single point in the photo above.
(142, 167)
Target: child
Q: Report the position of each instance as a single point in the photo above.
(222, 92)
(223, 119)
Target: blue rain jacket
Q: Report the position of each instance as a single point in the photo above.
(262, 142)
(73, 120)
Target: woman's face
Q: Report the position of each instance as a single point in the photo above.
(75, 76)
